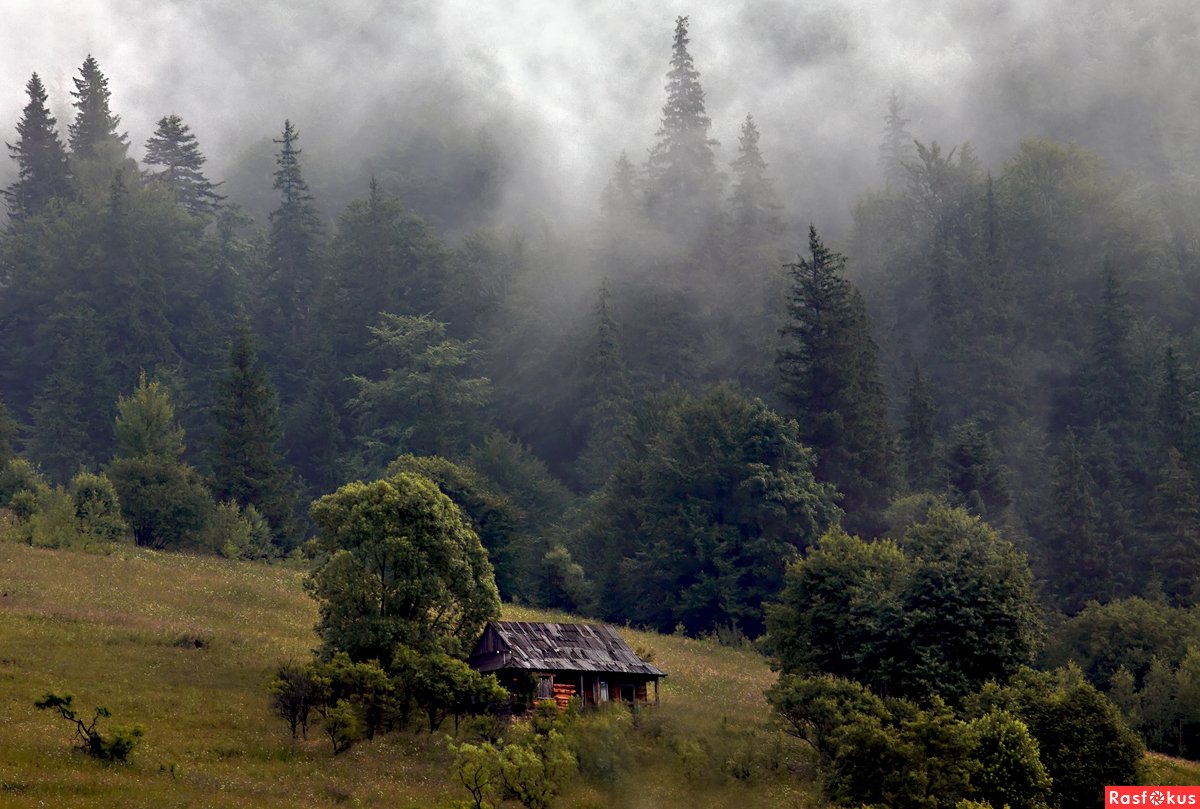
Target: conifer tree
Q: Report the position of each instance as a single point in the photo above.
(174, 147)
(620, 202)
(293, 260)
(94, 132)
(609, 398)
(246, 462)
(1082, 554)
(828, 366)
(1108, 396)
(1176, 503)
(755, 206)
(919, 434)
(896, 150)
(683, 184)
(43, 172)
(974, 475)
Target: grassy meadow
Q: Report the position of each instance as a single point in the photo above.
(185, 645)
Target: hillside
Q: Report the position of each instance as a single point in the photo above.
(184, 646)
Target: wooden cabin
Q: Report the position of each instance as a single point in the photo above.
(564, 661)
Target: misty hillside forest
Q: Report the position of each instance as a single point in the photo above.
(937, 462)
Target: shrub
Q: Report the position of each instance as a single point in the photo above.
(114, 748)
(97, 510)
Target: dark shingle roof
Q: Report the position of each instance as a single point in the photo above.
(558, 647)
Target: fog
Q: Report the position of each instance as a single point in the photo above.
(554, 91)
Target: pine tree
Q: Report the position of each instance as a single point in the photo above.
(246, 462)
(829, 372)
(919, 435)
(896, 151)
(683, 184)
(293, 260)
(1176, 503)
(174, 147)
(1082, 554)
(94, 132)
(609, 398)
(43, 172)
(974, 475)
(755, 206)
(1107, 378)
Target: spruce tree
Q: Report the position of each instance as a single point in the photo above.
(609, 399)
(974, 475)
(175, 149)
(683, 184)
(829, 381)
(246, 461)
(621, 203)
(94, 132)
(755, 206)
(896, 150)
(1082, 554)
(293, 254)
(919, 435)
(1108, 394)
(1176, 504)
(43, 172)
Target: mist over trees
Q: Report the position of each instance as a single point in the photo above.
(679, 408)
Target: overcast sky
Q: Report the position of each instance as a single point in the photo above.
(567, 84)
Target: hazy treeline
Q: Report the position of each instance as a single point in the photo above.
(1012, 338)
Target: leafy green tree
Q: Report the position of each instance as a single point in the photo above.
(683, 186)
(942, 613)
(443, 686)
(423, 402)
(175, 149)
(43, 173)
(1082, 740)
(162, 498)
(695, 527)
(97, 509)
(500, 525)
(1011, 772)
(816, 708)
(246, 462)
(400, 566)
(829, 381)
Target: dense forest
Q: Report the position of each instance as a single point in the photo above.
(1012, 344)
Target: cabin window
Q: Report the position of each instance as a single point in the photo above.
(545, 689)
(628, 693)
(603, 691)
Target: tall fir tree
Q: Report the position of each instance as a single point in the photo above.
(1176, 506)
(753, 201)
(896, 150)
(1108, 383)
(974, 476)
(1081, 553)
(919, 435)
(43, 172)
(246, 460)
(93, 135)
(829, 382)
(683, 186)
(609, 396)
(175, 149)
(293, 254)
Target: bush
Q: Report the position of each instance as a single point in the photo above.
(97, 509)
(1011, 772)
(18, 475)
(113, 748)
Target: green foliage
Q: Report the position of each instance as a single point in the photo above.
(1082, 740)
(443, 686)
(829, 379)
(503, 527)
(112, 748)
(816, 708)
(948, 610)
(341, 724)
(400, 567)
(146, 424)
(239, 534)
(696, 526)
(246, 462)
(42, 170)
(424, 401)
(18, 475)
(97, 508)
(1011, 771)
(173, 147)
(534, 772)
(295, 692)
(163, 501)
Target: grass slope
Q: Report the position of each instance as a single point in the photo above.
(185, 646)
